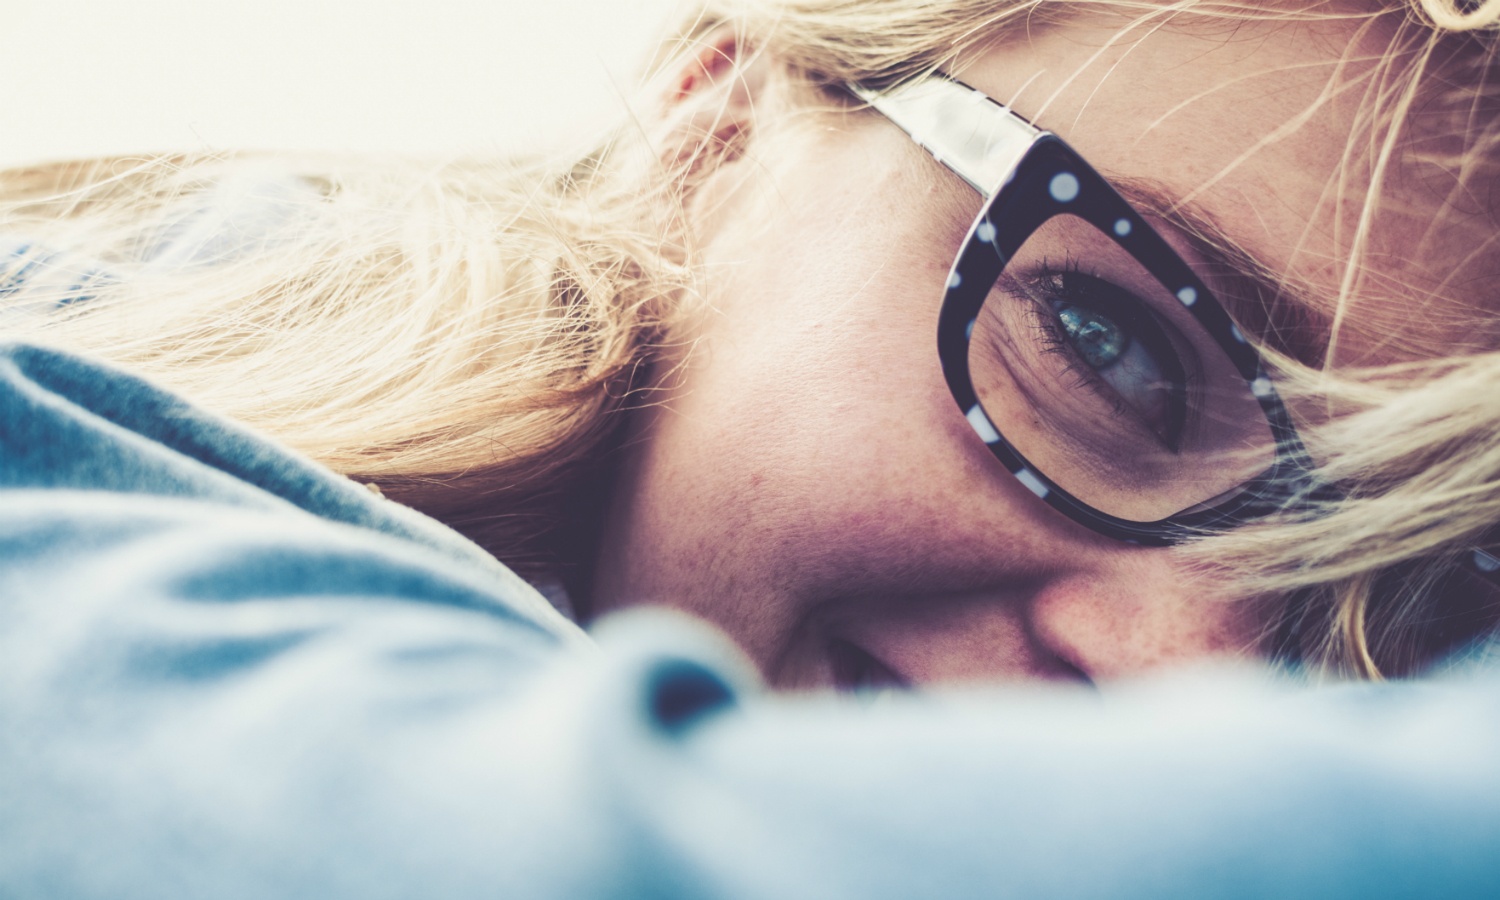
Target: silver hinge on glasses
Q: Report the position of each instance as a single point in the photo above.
(977, 138)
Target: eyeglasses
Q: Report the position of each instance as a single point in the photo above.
(1084, 351)
(1130, 400)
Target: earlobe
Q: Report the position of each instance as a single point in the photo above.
(709, 101)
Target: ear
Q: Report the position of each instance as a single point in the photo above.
(707, 103)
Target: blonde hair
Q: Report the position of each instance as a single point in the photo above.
(462, 334)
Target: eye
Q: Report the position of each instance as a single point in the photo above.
(1110, 338)
(1099, 366)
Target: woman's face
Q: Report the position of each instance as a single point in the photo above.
(805, 480)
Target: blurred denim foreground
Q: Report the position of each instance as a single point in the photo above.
(225, 672)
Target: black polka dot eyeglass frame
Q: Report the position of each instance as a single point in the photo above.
(1028, 176)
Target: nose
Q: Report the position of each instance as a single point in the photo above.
(1136, 615)
(952, 638)
(1051, 598)
(1139, 614)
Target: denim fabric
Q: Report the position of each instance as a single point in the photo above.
(228, 673)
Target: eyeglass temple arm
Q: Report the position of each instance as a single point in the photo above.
(978, 139)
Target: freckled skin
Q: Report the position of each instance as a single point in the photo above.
(808, 477)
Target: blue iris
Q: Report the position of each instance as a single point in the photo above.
(1095, 336)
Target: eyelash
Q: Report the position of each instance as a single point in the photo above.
(1045, 323)
(1049, 334)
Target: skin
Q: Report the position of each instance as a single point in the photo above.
(806, 481)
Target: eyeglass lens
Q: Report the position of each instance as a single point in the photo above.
(1102, 378)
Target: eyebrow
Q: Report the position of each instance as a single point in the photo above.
(1262, 302)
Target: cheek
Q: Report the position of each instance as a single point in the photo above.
(794, 443)
(826, 458)
(811, 418)
(820, 353)
(802, 421)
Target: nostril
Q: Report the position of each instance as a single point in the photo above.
(1067, 671)
(1056, 662)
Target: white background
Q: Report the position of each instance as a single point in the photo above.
(85, 78)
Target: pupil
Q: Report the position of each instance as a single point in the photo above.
(1094, 335)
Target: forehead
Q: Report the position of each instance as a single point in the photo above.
(1192, 105)
(1255, 124)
